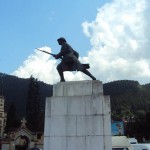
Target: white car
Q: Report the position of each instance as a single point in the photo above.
(141, 146)
(121, 143)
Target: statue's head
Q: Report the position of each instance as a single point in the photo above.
(61, 40)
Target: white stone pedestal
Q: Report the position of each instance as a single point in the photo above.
(77, 117)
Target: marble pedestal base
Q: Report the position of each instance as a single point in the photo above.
(77, 117)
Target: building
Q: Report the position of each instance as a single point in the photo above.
(22, 138)
(2, 116)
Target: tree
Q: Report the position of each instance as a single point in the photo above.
(12, 120)
(33, 105)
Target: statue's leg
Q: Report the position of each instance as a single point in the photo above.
(88, 73)
(62, 79)
(61, 74)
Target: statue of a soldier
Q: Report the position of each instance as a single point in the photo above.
(70, 60)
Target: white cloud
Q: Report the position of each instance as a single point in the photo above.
(39, 65)
(119, 38)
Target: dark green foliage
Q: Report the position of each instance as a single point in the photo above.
(15, 90)
(33, 106)
(127, 96)
(130, 102)
(116, 88)
(139, 126)
(12, 119)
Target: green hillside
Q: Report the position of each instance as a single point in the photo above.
(15, 89)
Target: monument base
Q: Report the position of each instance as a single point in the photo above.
(77, 117)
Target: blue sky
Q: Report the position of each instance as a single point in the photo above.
(26, 25)
(112, 35)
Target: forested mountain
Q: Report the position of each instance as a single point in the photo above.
(130, 103)
(15, 90)
(125, 95)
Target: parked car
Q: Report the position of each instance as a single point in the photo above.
(141, 146)
(133, 141)
(121, 143)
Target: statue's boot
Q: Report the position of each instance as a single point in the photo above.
(89, 74)
(62, 79)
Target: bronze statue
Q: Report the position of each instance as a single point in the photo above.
(69, 60)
